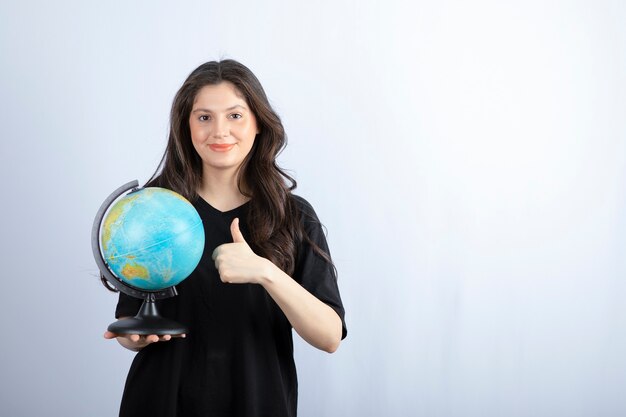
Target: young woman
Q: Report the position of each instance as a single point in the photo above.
(265, 270)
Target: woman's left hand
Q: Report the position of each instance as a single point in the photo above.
(237, 263)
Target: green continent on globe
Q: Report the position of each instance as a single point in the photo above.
(113, 217)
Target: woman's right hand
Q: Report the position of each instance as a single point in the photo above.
(136, 342)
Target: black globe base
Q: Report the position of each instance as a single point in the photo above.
(147, 321)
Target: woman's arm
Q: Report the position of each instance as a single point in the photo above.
(313, 320)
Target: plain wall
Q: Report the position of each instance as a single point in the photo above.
(467, 158)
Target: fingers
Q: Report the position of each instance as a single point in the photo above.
(144, 339)
(234, 230)
(140, 341)
(237, 238)
(149, 338)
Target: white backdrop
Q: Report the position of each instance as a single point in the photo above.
(467, 158)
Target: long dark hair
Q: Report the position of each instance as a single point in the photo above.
(273, 219)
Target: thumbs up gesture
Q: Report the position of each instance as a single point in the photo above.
(237, 263)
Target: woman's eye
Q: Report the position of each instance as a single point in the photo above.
(204, 118)
(236, 116)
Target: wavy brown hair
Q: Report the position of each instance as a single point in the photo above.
(273, 219)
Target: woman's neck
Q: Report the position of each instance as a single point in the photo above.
(220, 190)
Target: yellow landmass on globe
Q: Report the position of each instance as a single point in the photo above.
(131, 271)
(113, 216)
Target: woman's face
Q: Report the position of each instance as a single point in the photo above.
(222, 127)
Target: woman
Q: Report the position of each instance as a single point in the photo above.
(265, 270)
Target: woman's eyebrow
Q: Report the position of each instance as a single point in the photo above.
(228, 109)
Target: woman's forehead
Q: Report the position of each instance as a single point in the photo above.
(224, 92)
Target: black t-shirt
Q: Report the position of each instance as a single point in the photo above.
(237, 359)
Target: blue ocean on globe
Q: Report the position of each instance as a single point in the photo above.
(152, 238)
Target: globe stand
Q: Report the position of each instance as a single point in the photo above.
(148, 320)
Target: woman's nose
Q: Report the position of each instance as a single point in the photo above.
(221, 129)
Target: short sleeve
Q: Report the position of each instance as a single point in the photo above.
(127, 306)
(312, 271)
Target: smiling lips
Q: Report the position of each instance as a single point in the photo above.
(221, 147)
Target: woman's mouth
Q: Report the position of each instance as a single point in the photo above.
(221, 147)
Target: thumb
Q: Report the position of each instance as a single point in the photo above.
(234, 230)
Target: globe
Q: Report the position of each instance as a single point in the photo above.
(145, 243)
(152, 238)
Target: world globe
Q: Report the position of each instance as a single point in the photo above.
(152, 238)
(145, 243)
